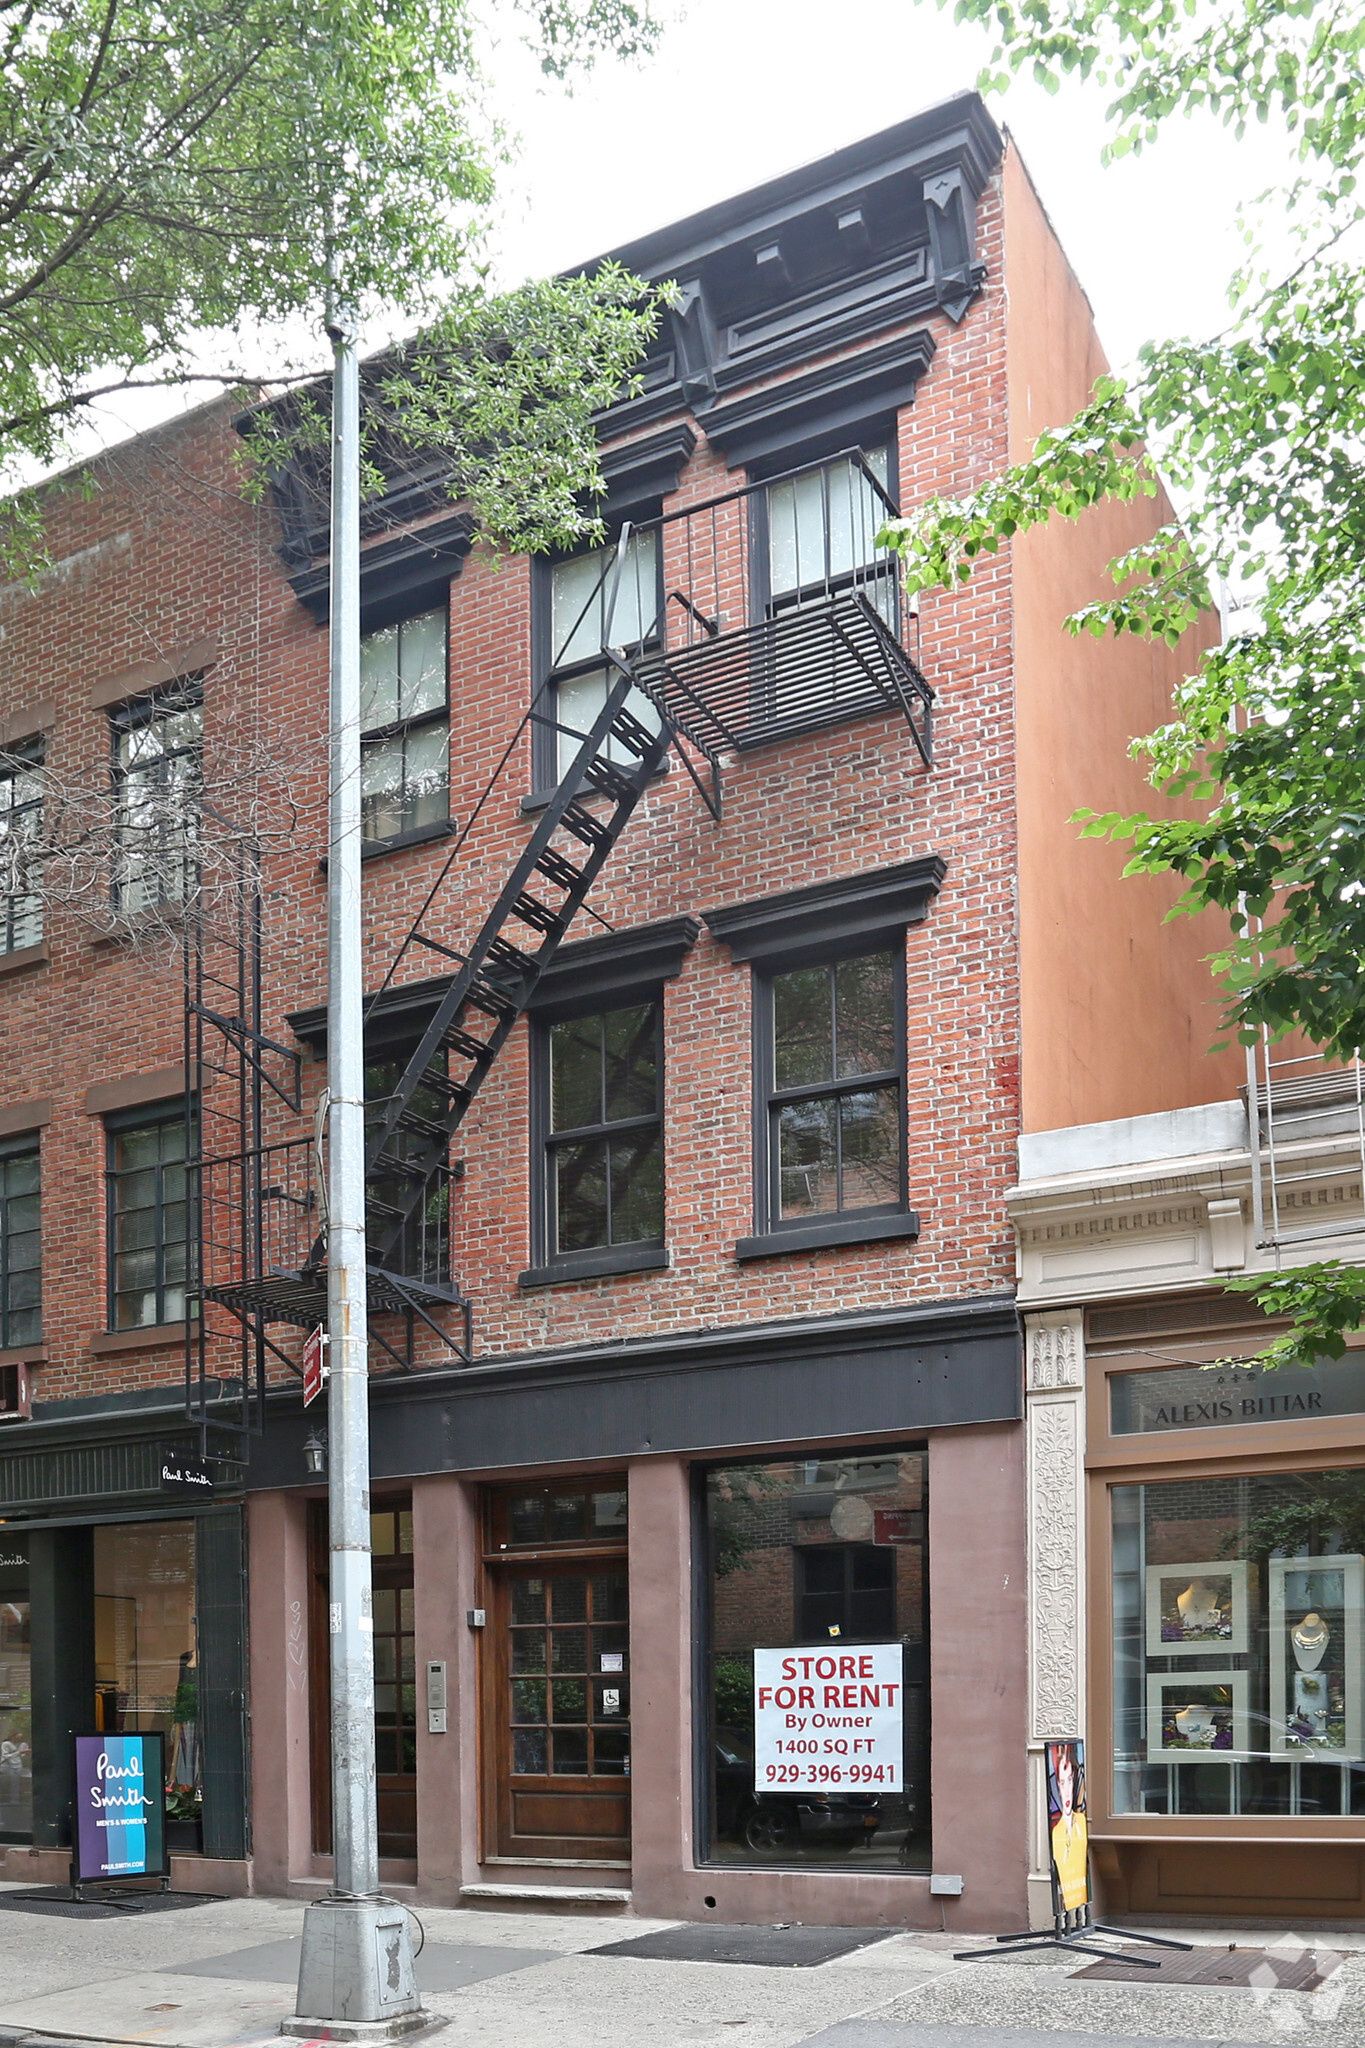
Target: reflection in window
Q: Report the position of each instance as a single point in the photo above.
(1239, 1645)
(149, 1224)
(591, 609)
(834, 1108)
(405, 727)
(822, 530)
(16, 1717)
(21, 824)
(568, 1678)
(819, 1550)
(146, 1648)
(158, 788)
(604, 1150)
(21, 1274)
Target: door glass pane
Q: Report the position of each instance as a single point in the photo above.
(146, 1647)
(528, 1600)
(569, 1599)
(16, 1721)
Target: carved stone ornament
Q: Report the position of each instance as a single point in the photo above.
(1055, 1563)
(1055, 1349)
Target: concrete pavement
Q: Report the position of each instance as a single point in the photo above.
(221, 1976)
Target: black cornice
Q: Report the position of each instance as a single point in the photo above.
(643, 471)
(588, 974)
(853, 913)
(834, 403)
(397, 574)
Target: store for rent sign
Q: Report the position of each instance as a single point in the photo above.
(829, 1720)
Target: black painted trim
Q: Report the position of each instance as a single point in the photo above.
(599, 1265)
(613, 969)
(408, 573)
(817, 1380)
(420, 835)
(834, 405)
(853, 914)
(643, 472)
(814, 1237)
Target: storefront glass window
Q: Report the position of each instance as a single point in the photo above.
(818, 1714)
(146, 1662)
(1239, 1645)
(16, 1732)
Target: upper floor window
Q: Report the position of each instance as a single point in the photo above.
(603, 1145)
(590, 607)
(21, 821)
(149, 1254)
(832, 1055)
(158, 781)
(21, 1272)
(821, 530)
(405, 727)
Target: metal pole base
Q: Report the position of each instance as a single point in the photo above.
(356, 1980)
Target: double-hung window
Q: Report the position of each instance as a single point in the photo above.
(405, 727)
(821, 529)
(601, 1141)
(422, 1250)
(149, 1253)
(832, 1055)
(21, 1271)
(158, 780)
(21, 821)
(591, 607)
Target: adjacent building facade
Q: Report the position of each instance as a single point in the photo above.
(1195, 1527)
(693, 1280)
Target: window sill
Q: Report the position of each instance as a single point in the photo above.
(814, 1237)
(603, 1265)
(24, 957)
(420, 835)
(151, 1337)
(25, 1354)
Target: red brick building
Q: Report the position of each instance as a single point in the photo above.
(699, 1306)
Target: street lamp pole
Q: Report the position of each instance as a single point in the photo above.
(355, 1969)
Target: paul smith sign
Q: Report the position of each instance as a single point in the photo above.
(1225, 1396)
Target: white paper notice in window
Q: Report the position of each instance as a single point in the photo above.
(829, 1720)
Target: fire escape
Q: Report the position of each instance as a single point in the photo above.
(702, 655)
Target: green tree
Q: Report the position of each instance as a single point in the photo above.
(181, 180)
(1261, 429)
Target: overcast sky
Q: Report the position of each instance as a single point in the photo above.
(741, 90)
(744, 89)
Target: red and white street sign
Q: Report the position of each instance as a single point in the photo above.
(314, 1364)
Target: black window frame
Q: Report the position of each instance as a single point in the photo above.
(546, 676)
(769, 1099)
(118, 1125)
(400, 728)
(763, 602)
(25, 1145)
(185, 693)
(548, 1263)
(27, 757)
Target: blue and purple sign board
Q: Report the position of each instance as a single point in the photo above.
(120, 1808)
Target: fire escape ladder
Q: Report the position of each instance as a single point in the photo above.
(410, 1140)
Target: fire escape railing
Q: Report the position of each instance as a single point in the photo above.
(749, 641)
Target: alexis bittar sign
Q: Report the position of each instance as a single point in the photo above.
(1223, 1396)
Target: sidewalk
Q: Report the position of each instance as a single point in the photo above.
(222, 1976)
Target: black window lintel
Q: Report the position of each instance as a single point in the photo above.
(852, 914)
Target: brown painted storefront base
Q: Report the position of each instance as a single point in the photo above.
(1233, 1879)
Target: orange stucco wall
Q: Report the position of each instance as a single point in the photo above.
(1118, 1008)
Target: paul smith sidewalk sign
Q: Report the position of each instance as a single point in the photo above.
(120, 1808)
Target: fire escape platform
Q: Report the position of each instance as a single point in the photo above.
(821, 663)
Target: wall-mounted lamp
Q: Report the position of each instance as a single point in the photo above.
(315, 1453)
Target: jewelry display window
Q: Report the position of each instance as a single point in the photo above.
(1239, 1644)
(1315, 1654)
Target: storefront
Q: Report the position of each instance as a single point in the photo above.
(693, 1677)
(1227, 1619)
(122, 1610)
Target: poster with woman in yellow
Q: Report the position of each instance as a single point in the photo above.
(1067, 1826)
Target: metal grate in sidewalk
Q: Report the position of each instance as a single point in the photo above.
(1249, 1969)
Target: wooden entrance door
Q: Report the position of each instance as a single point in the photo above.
(558, 1703)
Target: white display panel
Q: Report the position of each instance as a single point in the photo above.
(829, 1720)
(1316, 1606)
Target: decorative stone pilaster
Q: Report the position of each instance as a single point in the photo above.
(1055, 1441)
